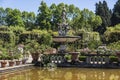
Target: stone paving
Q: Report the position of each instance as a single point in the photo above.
(14, 68)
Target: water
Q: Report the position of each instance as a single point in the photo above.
(63, 74)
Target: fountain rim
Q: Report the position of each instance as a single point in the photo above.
(65, 38)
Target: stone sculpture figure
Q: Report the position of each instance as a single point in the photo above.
(63, 27)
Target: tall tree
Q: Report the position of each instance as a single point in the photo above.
(87, 20)
(28, 19)
(2, 16)
(14, 18)
(53, 8)
(25, 18)
(56, 14)
(116, 13)
(44, 16)
(71, 13)
(105, 13)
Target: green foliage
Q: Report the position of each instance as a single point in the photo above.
(2, 16)
(88, 35)
(42, 36)
(105, 13)
(114, 45)
(28, 19)
(112, 34)
(86, 20)
(17, 30)
(113, 59)
(4, 28)
(94, 44)
(4, 54)
(17, 56)
(116, 13)
(6, 36)
(46, 39)
(14, 18)
(68, 56)
(44, 16)
(33, 46)
(82, 58)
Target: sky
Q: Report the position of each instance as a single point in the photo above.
(32, 5)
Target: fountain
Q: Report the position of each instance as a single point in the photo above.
(63, 38)
(59, 57)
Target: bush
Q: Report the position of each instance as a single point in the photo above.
(114, 45)
(82, 58)
(94, 44)
(112, 34)
(113, 59)
(7, 36)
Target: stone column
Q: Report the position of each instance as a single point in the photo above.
(88, 60)
(94, 60)
(97, 59)
(102, 60)
(107, 59)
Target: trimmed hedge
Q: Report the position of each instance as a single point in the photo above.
(43, 37)
(113, 36)
(82, 58)
(6, 36)
(113, 59)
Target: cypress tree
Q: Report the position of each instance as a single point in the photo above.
(116, 14)
(104, 12)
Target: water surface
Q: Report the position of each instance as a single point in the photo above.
(63, 74)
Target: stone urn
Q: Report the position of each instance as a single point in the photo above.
(118, 55)
(11, 63)
(3, 64)
(35, 57)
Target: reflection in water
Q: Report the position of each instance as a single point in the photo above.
(64, 74)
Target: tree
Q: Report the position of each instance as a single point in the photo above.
(2, 16)
(116, 13)
(14, 18)
(56, 14)
(25, 18)
(71, 13)
(28, 19)
(87, 20)
(44, 16)
(105, 13)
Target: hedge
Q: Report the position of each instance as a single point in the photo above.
(113, 36)
(6, 36)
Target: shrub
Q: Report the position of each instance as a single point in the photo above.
(82, 58)
(114, 45)
(112, 34)
(6, 36)
(113, 59)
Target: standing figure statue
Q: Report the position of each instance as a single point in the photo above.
(64, 15)
(63, 27)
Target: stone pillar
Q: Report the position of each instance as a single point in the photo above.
(101, 60)
(91, 60)
(97, 59)
(107, 59)
(94, 60)
(88, 60)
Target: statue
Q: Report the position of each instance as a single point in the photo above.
(63, 27)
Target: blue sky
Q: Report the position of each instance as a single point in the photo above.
(32, 5)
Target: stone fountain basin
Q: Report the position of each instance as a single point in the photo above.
(65, 38)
